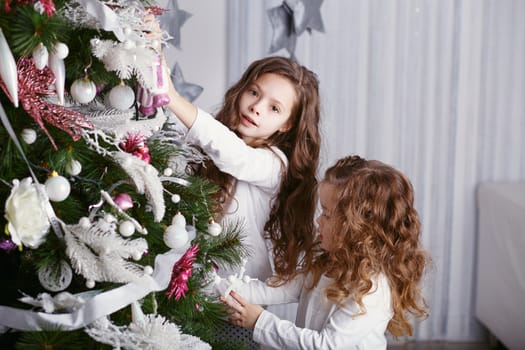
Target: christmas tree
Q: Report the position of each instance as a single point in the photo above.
(110, 239)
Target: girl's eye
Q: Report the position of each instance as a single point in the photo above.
(275, 109)
(253, 92)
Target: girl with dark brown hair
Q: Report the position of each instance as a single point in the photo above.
(263, 148)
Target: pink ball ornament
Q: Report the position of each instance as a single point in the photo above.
(123, 200)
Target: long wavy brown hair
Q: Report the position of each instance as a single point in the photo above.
(376, 230)
(290, 225)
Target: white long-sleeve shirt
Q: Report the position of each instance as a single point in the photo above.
(258, 172)
(320, 324)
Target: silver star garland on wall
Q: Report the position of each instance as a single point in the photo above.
(291, 19)
(172, 20)
(187, 90)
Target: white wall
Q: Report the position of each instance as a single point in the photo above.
(203, 49)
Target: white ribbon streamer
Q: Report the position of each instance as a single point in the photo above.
(100, 305)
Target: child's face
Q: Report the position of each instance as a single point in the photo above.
(265, 107)
(325, 221)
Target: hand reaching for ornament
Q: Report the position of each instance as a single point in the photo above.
(155, 32)
(241, 312)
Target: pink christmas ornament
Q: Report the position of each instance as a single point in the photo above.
(181, 273)
(32, 84)
(123, 200)
(157, 96)
(135, 144)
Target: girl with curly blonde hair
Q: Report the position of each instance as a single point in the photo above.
(366, 270)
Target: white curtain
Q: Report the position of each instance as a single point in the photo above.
(435, 88)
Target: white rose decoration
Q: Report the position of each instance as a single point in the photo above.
(28, 223)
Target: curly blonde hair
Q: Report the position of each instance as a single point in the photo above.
(376, 230)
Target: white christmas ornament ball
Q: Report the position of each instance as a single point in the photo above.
(57, 188)
(168, 172)
(90, 284)
(57, 279)
(73, 167)
(61, 50)
(148, 270)
(214, 229)
(29, 136)
(83, 90)
(126, 228)
(121, 97)
(176, 236)
(175, 198)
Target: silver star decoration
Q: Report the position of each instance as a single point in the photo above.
(189, 91)
(172, 20)
(291, 19)
(284, 36)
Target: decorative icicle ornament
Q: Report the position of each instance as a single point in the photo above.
(57, 66)
(57, 187)
(8, 71)
(40, 56)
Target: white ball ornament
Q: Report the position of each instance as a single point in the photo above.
(126, 228)
(83, 90)
(175, 198)
(57, 187)
(61, 50)
(168, 172)
(55, 280)
(121, 97)
(214, 229)
(148, 270)
(29, 136)
(74, 167)
(136, 256)
(90, 284)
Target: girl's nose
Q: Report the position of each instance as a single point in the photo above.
(255, 108)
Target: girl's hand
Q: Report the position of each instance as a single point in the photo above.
(241, 312)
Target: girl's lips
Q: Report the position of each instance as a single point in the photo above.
(247, 121)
